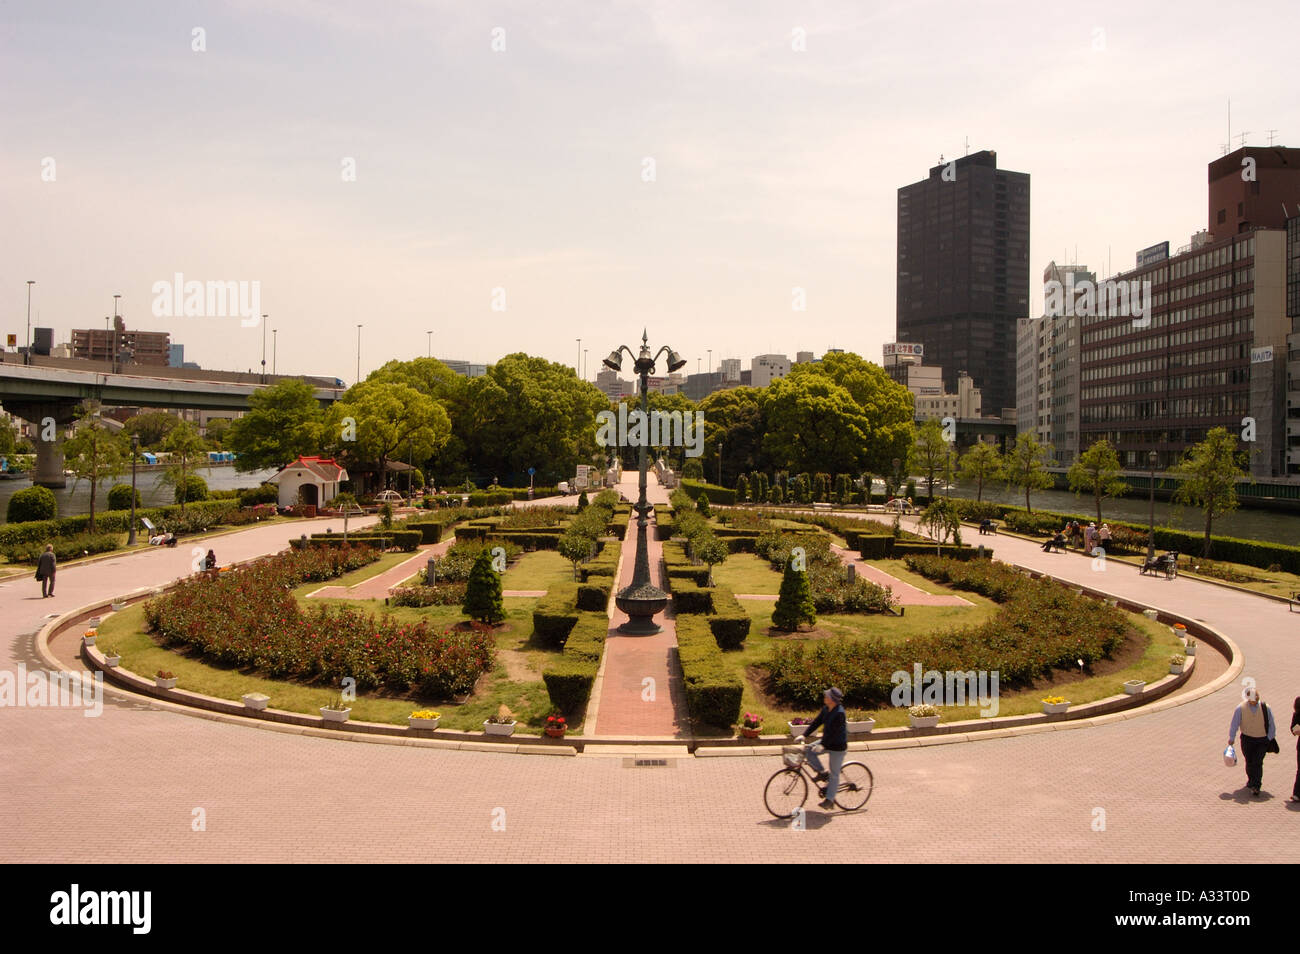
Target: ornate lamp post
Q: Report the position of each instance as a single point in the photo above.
(1151, 533)
(641, 599)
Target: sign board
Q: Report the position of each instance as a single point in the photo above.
(1153, 253)
(531, 471)
(581, 481)
(896, 348)
(1261, 355)
(13, 341)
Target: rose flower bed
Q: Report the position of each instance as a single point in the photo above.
(1039, 626)
(248, 617)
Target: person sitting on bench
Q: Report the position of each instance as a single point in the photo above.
(1057, 541)
(988, 526)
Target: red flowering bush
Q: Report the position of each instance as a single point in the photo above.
(249, 617)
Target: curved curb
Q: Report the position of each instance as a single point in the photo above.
(1117, 710)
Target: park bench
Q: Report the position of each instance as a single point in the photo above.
(820, 505)
(1166, 563)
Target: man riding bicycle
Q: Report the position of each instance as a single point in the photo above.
(835, 742)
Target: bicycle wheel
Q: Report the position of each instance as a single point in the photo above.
(856, 783)
(785, 791)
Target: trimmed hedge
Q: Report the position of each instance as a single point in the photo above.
(714, 493)
(569, 679)
(713, 694)
(689, 597)
(729, 622)
(208, 513)
(408, 540)
(601, 567)
(33, 504)
(65, 548)
(555, 615)
(594, 596)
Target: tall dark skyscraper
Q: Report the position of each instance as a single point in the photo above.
(963, 271)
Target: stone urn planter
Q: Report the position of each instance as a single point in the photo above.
(861, 726)
(1134, 686)
(256, 700)
(334, 715)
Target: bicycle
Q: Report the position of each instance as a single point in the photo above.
(787, 790)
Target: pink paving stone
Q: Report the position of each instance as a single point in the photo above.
(622, 708)
(378, 587)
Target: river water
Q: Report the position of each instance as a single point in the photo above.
(1249, 524)
(75, 498)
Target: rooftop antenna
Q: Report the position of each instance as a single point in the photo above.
(1229, 121)
(968, 145)
(1242, 137)
(1270, 136)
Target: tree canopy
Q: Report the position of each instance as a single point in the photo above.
(283, 421)
(1209, 473)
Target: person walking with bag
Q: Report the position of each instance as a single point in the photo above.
(45, 569)
(1258, 732)
(1295, 730)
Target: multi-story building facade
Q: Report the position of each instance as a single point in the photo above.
(964, 405)
(152, 348)
(766, 368)
(1293, 345)
(612, 386)
(963, 271)
(729, 368)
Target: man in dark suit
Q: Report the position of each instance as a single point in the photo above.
(45, 568)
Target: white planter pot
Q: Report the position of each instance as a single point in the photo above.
(1175, 670)
(256, 700)
(89, 640)
(498, 728)
(1189, 649)
(112, 661)
(165, 683)
(796, 730)
(1150, 613)
(334, 715)
(866, 725)
(1055, 708)
(1134, 686)
(118, 607)
(422, 723)
(924, 722)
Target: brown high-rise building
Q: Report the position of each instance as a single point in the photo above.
(963, 271)
(126, 347)
(1252, 188)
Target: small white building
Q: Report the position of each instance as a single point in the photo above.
(317, 477)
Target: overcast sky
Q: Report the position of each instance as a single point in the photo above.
(524, 169)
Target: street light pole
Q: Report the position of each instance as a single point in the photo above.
(264, 317)
(430, 334)
(1151, 521)
(27, 356)
(577, 365)
(274, 342)
(641, 599)
(135, 446)
(115, 300)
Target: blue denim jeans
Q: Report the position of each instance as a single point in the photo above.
(837, 762)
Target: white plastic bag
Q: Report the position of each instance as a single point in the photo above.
(1230, 757)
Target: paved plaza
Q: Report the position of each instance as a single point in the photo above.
(125, 786)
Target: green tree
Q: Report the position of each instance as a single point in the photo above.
(575, 547)
(742, 489)
(283, 421)
(8, 440)
(812, 421)
(483, 591)
(981, 463)
(216, 431)
(794, 605)
(186, 448)
(940, 521)
(885, 403)
(711, 549)
(1026, 466)
(1097, 472)
(377, 421)
(702, 505)
(1209, 473)
(119, 497)
(692, 469)
(151, 427)
(94, 453)
(734, 424)
(930, 455)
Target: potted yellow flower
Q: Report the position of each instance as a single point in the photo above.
(923, 716)
(1054, 705)
(423, 719)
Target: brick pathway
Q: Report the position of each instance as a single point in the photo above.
(625, 703)
(378, 587)
(275, 797)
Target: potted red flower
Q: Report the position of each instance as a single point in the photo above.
(751, 725)
(555, 726)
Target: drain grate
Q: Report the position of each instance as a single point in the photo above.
(648, 763)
